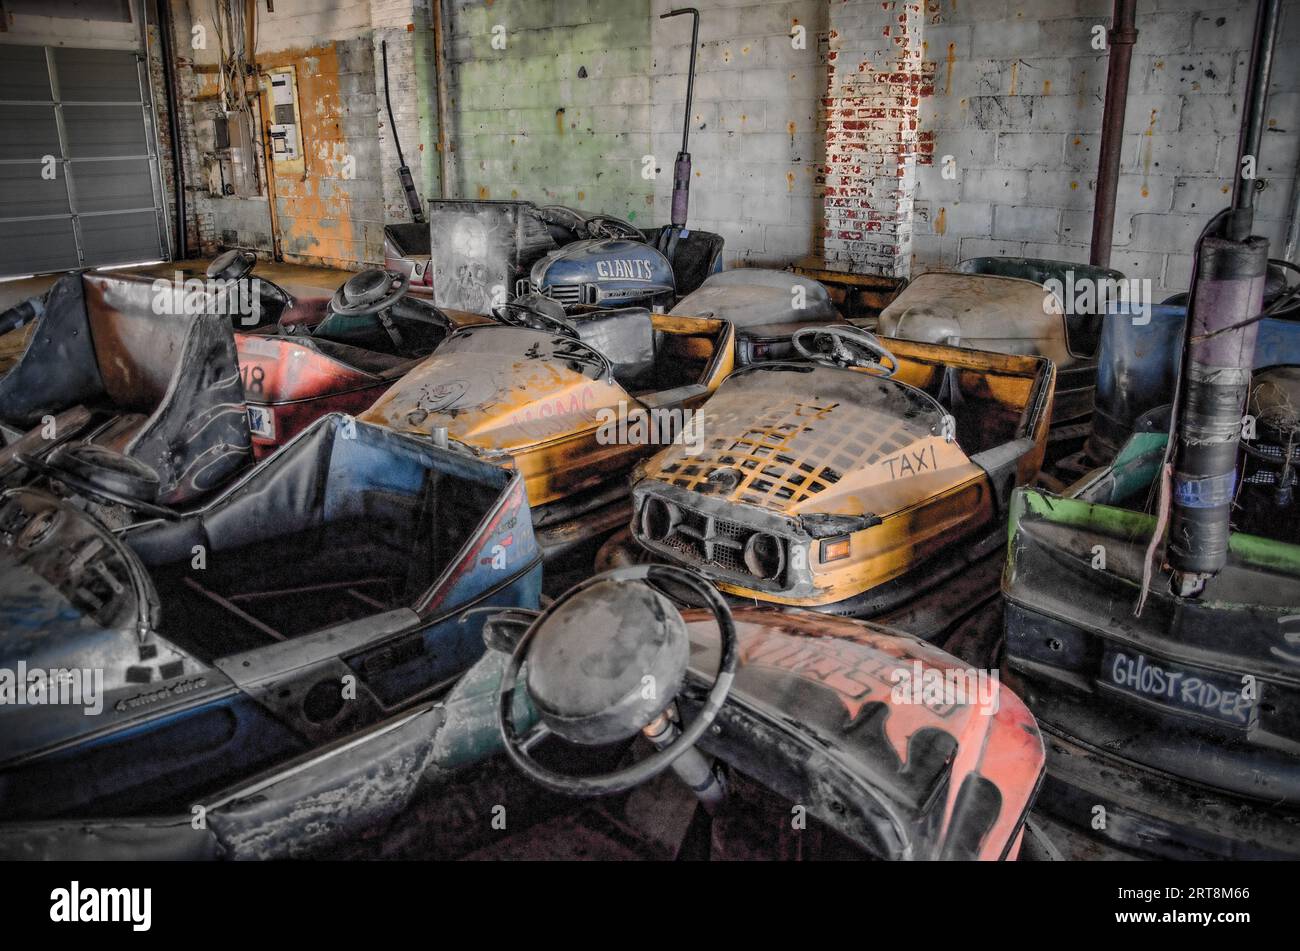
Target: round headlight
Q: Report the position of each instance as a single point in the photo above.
(659, 518)
(764, 555)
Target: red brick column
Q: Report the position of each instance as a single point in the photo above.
(875, 82)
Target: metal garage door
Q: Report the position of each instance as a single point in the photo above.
(78, 161)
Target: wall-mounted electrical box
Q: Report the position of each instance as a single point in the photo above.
(285, 127)
(230, 155)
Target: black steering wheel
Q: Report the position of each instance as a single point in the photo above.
(607, 226)
(562, 216)
(530, 317)
(606, 661)
(844, 347)
(233, 265)
(103, 475)
(369, 292)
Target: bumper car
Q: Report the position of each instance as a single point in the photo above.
(107, 368)
(765, 306)
(235, 681)
(1173, 732)
(853, 481)
(474, 254)
(1019, 306)
(571, 400)
(616, 726)
(372, 333)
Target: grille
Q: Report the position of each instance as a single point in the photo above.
(705, 541)
(564, 293)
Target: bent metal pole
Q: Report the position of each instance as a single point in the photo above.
(1229, 292)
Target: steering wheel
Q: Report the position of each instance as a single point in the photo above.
(531, 317)
(563, 216)
(369, 292)
(844, 347)
(606, 661)
(607, 226)
(232, 265)
(103, 475)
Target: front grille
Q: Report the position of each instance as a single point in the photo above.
(566, 294)
(704, 541)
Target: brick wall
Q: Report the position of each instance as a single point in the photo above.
(1017, 103)
(874, 86)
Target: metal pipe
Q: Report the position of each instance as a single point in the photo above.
(1242, 220)
(1122, 36)
(403, 170)
(440, 77)
(165, 27)
(150, 104)
(1229, 291)
(1291, 251)
(682, 167)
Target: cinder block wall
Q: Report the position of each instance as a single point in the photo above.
(1017, 103)
(334, 212)
(589, 94)
(829, 146)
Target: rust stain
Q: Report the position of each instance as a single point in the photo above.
(1015, 71)
(789, 181)
(483, 193)
(941, 221)
(559, 120)
(1047, 87)
(582, 196)
(314, 210)
(952, 58)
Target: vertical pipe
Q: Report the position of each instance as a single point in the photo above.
(165, 37)
(1242, 220)
(1216, 381)
(1122, 36)
(1221, 331)
(1291, 252)
(440, 77)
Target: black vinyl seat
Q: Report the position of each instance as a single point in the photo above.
(626, 337)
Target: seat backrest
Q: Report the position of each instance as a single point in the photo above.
(138, 345)
(627, 339)
(179, 370)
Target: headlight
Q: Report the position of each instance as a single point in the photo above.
(764, 555)
(659, 518)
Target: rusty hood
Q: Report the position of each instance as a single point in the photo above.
(800, 439)
(504, 389)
